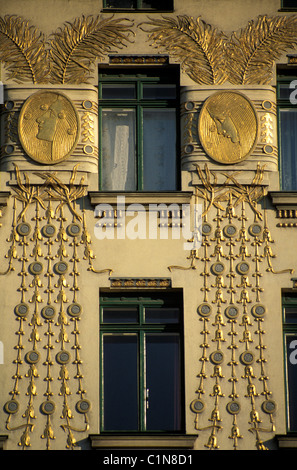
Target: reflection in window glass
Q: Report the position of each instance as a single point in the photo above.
(121, 3)
(288, 125)
(120, 382)
(159, 91)
(162, 315)
(163, 382)
(116, 92)
(289, 4)
(291, 347)
(159, 149)
(120, 315)
(291, 314)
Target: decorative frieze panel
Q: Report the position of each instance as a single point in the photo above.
(49, 241)
(236, 253)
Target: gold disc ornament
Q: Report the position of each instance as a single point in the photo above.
(48, 127)
(228, 127)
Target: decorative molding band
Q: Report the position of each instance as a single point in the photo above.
(285, 203)
(154, 442)
(147, 283)
(139, 59)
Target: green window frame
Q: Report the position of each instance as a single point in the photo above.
(141, 349)
(289, 306)
(138, 5)
(287, 128)
(146, 102)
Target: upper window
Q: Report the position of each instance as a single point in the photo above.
(141, 357)
(289, 4)
(290, 343)
(287, 114)
(138, 130)
(160, 5)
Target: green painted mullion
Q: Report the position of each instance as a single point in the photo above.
(142, 381)
(100, 147)
(139, 146)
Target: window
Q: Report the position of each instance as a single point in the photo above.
(141, 357)
(138, 122)
(160, 5)
(290, 343)
(287, 115)
(289, 4)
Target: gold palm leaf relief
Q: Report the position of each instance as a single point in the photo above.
(198, 46)
(23, 50)
(251, 53)
(74, 48)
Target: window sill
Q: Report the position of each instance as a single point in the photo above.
(4, 196)
(287, 441)
(100, 441)
(284, 200)
(134, 10)
(3, 440)
(140, 197)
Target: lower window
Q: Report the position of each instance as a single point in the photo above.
(290, 340)
(141, 351)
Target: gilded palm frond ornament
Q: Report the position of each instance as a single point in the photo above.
(66, 58)
(75, 48)
(23, 50)
(198, 46)
(209, 57)
(252, 52)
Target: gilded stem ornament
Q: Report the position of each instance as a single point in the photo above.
(49, 239)
(236, 241)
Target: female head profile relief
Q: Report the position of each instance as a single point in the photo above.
(48, 127)
(52, 123)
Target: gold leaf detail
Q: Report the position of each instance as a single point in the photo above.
(197, 45)
(22, 49)
(251, 54)
(75, 48)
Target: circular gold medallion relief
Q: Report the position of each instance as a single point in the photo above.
(228, 127)
(48, 127)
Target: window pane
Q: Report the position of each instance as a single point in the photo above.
(289, 3)
(157, 4)
(118, 150)
(159, 91)
(291, 346)
(121, 3)
(120, 315)
(118, 92)
(291, 314)
(288, 124)
(120, 402)
(163, 382)
(159, 149)
(284, 92)
(162, 315)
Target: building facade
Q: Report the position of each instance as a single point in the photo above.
(148, 224)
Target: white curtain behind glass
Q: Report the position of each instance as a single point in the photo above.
(159, 149)
(118, 150)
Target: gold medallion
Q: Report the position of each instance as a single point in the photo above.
(228, 127)
(48, 127)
